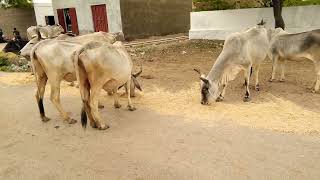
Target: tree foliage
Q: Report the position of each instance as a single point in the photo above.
(16, 3)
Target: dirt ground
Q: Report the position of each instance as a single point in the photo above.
(171, 135)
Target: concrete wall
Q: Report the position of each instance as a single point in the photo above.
(19, 18)
(155, 17)
(84, 15)
(218, 24)
(42, 10)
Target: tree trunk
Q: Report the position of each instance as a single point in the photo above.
(277, 12)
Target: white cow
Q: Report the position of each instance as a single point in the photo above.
(241, 51)
(295, 46)
(52, 61)
(101, 66)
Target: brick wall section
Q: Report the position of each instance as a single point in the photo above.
(142, 18)
(19, 18)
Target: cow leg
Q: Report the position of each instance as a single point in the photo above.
(130, 106)
(282, 66)
(317, 82)
(223, 92)
(42, 81)
(256, 77)
(116, 99)
(274, 67)
(55, 99)
(93, 102)
(247, 78)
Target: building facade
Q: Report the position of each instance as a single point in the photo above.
(134, 18)
(44, 12)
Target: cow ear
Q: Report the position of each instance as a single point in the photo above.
(136, 83)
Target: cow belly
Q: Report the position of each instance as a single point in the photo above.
(70, 77)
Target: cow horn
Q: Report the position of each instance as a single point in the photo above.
(138, 73)
(206, 81)
(38, 34)
(198, 71)
(262, 22)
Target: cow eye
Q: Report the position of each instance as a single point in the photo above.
(31, 43)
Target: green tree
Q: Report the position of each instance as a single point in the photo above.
(16, 3)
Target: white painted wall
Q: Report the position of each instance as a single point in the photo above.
(42, 8)
(84, 14)
(219, 24)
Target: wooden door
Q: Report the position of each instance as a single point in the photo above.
(74, 21)
(61, 19)
(99, 16)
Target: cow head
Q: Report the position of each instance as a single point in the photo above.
(25, 51)
(135, 83)
(209, 89)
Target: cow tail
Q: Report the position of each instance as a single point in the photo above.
(79, 67)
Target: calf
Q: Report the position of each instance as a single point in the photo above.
(101, 66)
(290, 46)
(241, 51)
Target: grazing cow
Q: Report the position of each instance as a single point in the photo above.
(52, 61)
(47, 32)
(289, 46)
(14, 46)
(101, 66)
(241, 51)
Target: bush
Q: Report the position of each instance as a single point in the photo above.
(300, 2)
(209, 5)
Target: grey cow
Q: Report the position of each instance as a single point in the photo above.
(288, 46)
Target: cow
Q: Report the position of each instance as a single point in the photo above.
(101, 66)
(52, 61)
(45, 31)
(14, 46)
(295, 46)
(241, 51)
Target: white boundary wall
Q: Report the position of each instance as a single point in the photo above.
(219, 24)
(42, 8)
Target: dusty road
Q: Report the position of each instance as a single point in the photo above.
(170, 136)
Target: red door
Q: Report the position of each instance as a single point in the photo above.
(74, 21)
(61, 19)
(99, 16)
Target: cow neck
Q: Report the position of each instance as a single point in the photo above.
(217, 70)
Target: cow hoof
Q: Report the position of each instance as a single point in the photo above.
(271, 80)
(220, 99)
(117, 106)
(72, 121)
(246, 99)
(257, 88)
(281, 80)
(93, 125)
(131, 108)
(45, 119)
(100, 106)
(104, 127)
